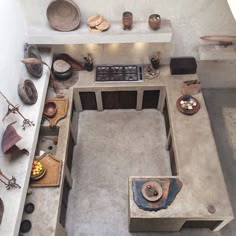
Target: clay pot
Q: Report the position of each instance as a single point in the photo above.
(127, 20)
(154, 21)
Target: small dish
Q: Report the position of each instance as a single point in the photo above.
(38, 171)
(188, 105)
(152, 191)
(105, 24)
(50, 109)
(40, 176)
(94, 21)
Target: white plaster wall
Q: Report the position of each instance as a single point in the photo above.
(12, 31)
(190, 18)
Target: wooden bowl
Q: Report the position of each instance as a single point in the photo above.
(105, 24)
(93, 21)
(154, 21)
(63, 15)
(50, 109)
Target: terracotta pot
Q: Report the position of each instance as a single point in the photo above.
(154, 21)
(127, 20)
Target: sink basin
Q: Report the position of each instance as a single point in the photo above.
(47, 141)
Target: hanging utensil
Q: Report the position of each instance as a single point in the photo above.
(10, 139)
(15, 110)
(11, 183)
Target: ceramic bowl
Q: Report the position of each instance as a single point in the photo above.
(154, 21)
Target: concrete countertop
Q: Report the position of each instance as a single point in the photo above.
(45, 218)
(197, 162)
(196, 155)
(20, 166)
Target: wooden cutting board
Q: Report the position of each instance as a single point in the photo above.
(62, 108)
(53, 173)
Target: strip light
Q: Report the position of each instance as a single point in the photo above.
(232, 5)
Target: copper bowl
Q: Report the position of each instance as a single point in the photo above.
(50, 109)
(154, 21)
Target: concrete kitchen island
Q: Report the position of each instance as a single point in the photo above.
(195, 158)
(198, 167)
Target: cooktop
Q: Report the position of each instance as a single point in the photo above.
(119, 73)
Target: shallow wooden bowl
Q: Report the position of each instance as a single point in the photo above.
(105, 24)
(63, 15)
(50, 109)
(94, 21)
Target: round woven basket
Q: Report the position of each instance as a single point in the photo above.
(63, 15)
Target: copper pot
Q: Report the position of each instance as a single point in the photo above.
(127, 20)
(154, 21)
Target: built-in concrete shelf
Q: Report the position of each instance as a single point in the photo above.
(141, 33)
(217, 52)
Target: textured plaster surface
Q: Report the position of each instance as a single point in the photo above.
(190, 19)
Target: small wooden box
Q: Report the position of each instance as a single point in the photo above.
(183, 65)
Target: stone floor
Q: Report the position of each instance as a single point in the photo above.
(89, 217)
(112, 145)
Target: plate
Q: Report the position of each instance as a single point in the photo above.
(63, 15)
(105, 24)
(186, 111)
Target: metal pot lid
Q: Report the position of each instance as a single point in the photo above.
(63, 15)
(10, 138)
(31, 51)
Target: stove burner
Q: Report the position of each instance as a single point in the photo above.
(119, 73)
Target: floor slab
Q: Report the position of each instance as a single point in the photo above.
(112, 145)
(82, 213)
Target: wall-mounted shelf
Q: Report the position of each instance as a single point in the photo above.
(217, 52)
(141, 33)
